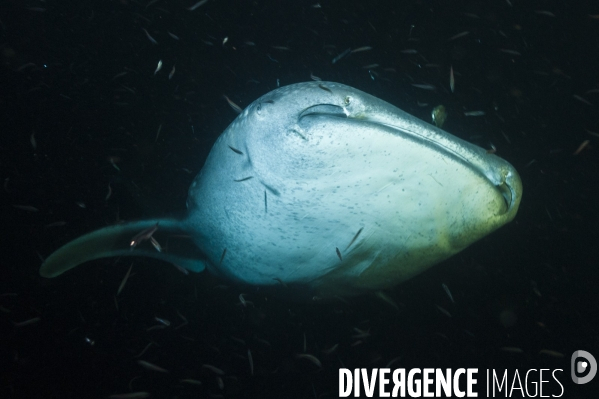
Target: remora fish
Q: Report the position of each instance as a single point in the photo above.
(331, 167)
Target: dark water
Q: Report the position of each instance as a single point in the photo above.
(531, 285)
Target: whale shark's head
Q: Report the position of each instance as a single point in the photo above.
(306, 167)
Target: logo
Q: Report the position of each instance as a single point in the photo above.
(579, 367)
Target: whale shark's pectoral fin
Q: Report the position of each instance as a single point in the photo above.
(170, 243)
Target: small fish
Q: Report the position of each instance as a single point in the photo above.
(235, 150)
(354, 239)
(215, 370)
(162, 321)
(222, 256)
(57, 224)
(340, 56)
(151, 2)
(395, 359)
(109, 193)
(474, 113)
(158, 132)
(361, 333)
(282, 48)
(173, 35)
(387, 299)
(280, 282)
(451, 79)
(508, 51)
(581, 147)
(251, 362)
(24, 66)
(118, 75)
(361, 49)
(338, 253)
(582, 100)
(172, 73)
(155, 244)
(409, 51)
(323, 87)
(124, 280)
(27, 208)
(27, 322)
(545, 13)
(242, 300)
(304, 342)
(143, 235)
(145, 349)
(235, 107)
(225, 40)
(462, 34)
(446, 288)
(330, 350)
(132, 395)
(511, 349)
(158, 67)
(190, 381)
(424, 86)
(150, 38)
(198, 4)
(33, 142)
(309, 357)
(238, 340)
(151, 366)
(587, 130)
(530, 163)
(445, 312)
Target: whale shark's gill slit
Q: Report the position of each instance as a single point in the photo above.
(353, 239)
(244, 179)
(236, 151)
(273, 191)
(338, 253)
(265, 203)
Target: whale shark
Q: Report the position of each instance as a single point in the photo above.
(318, 190)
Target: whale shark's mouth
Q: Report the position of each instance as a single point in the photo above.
(324, 110)
(504, 180)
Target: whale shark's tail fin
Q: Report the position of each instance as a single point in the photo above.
(142, 238)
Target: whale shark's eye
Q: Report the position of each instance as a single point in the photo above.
(347, 100)
(262, 106)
